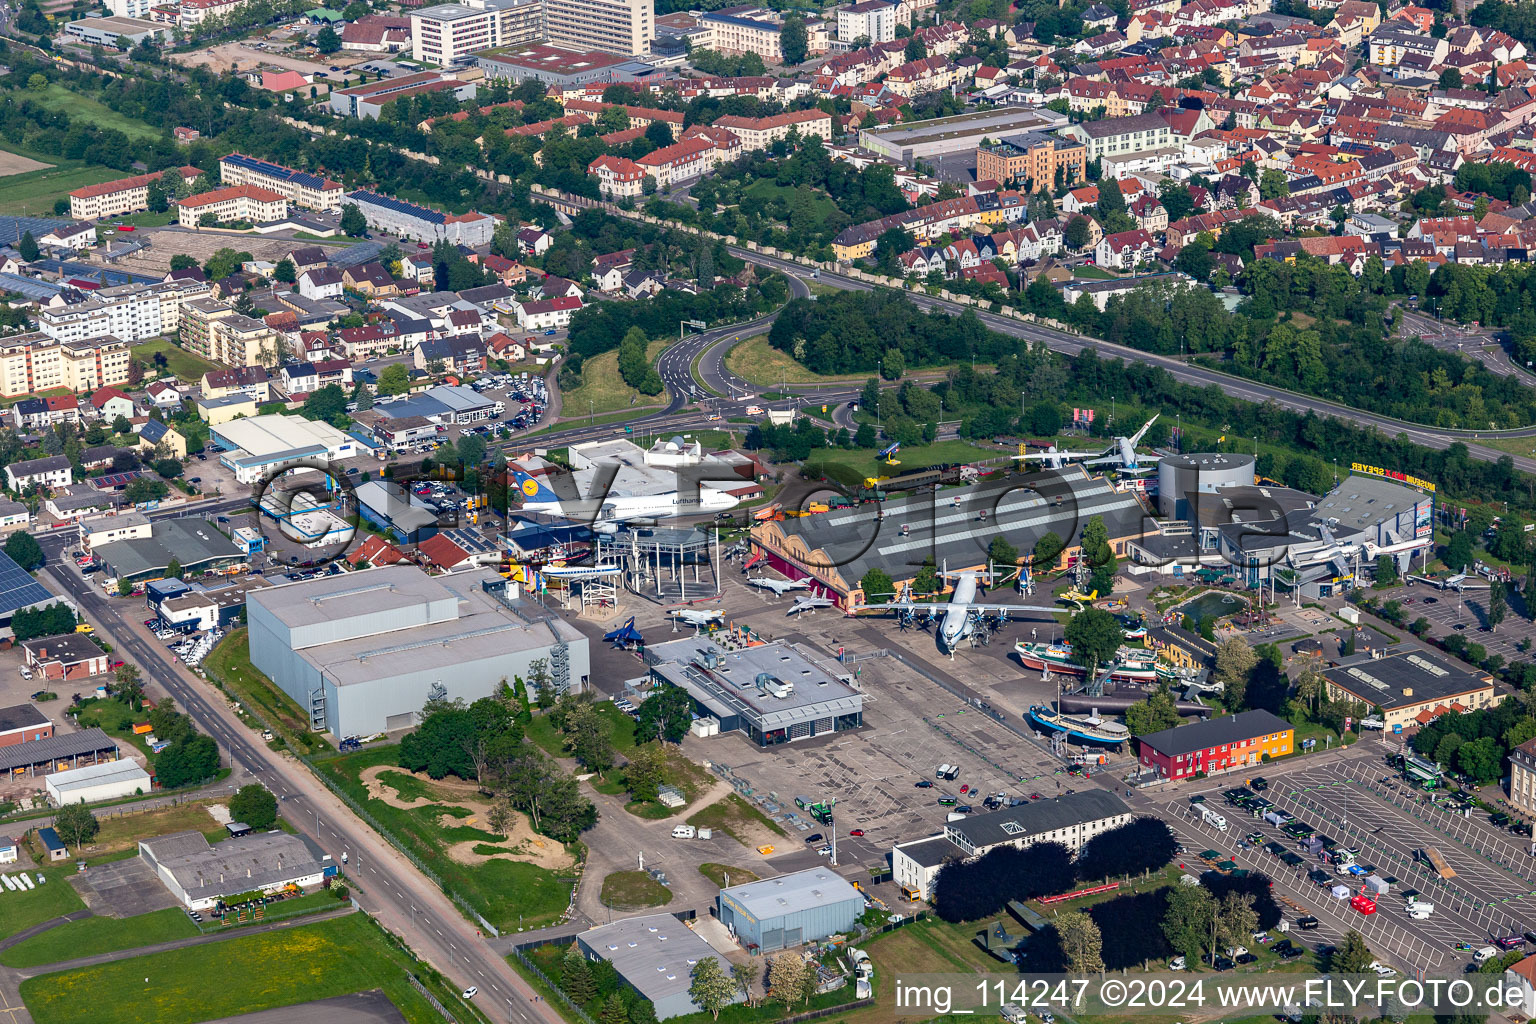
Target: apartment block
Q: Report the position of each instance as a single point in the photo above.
(1032, 157)
(194, 12)
(125, 195)
(745, 30)
(618, 176)
(761, 132)
(197, 319)
(35, 362)
(311, 191)
(616, 26)
(875, 19)
(238, 340)
(449, 33)
(1121, 135)
(237, 202)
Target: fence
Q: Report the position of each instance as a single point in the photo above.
(826, 1011)
(394, 841)
(556, 989)
(429, 997)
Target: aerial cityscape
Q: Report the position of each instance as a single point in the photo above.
(625, 511)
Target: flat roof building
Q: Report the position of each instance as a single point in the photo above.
(772, 694)
(449, 33)
(362, 652)
(23, 723)
(107, 31)
(563, 67)
(959, 133)
(199, 874)
(255, 447)
(56, 753)
(92, 784)
(1411, 685)
(654, 955)
(195, 543)
(783, 912)
(1071, 819)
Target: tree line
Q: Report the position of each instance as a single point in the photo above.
(971, 889)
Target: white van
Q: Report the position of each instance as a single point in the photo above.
(1213, 818)
(1483, 955)
(684, 832)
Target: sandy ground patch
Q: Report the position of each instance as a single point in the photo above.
(220, 813)
(522, 844)
(15, 163)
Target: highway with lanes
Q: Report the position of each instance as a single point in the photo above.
(1235, 387)
(386, 884)
(1070, 344)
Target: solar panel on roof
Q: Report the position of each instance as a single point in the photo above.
(17, 588)
(276, 171)
(397, 205)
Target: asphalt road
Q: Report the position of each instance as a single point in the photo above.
(390, 887)
(1071, 344)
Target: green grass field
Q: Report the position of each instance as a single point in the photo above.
(864, 463)
(602, 390)
(99, 935)
(634, 890)
(768, 191)
(622, 733)
(234, 976)
(81, 107)
(759, 362)
(185, 365)
(230, 665)
(34, 192)
(54, 898)
(507, 892)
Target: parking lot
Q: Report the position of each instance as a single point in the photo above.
(1466, 613)
(124, 888)
(1491, 895)
(912, 726)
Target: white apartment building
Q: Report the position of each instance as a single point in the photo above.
(130, 8)
(236, 202)
(195, 12)
(238, 340)
(35, 362)
(301, 188)
(761, 132)
(873, 18)
(130, 312)
(615, 26)
(451, 32)
(751, 30)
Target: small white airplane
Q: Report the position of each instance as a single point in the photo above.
(700, 619)
(1121, 454)
(963, 610)
(809, 603)
(779, 587)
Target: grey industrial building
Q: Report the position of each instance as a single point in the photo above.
(1070, 819)
(654, 955)
(1179, 476)
(199, 874)
(107, 31)
(408, 220)
(443, 404)
(392, 508)
(196, 544)
(362, 652)
(783, 912)
(915, 140)
(772, 693)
